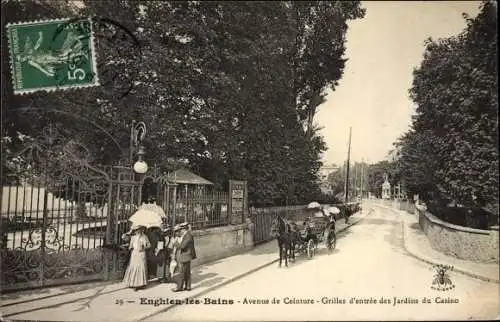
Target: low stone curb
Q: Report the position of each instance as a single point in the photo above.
(435, 262)
(235, 278)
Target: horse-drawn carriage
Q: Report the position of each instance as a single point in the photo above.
(320, 227)
(316, 230)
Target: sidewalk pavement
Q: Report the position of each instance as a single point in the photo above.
(418, 246)
(115, 302)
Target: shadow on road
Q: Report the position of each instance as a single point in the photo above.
(300, 256)
(324, 252)
(206, 279)
(260, 249)
(344, 233)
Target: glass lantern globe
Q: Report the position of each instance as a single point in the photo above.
(140, 167)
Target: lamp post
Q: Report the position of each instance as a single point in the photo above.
(140, 166)
(137, 134)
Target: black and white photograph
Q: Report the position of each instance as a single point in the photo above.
(249, 161)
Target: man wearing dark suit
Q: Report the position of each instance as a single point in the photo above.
(154, 235)
(186, 253)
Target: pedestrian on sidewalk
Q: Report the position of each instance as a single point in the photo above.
(153, 260)
(186, 253)
(154, 234)
(136, 273)
(164, 253)
(174, 260)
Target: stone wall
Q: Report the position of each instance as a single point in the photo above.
(220, 242)
(458, 241)
(462, 242)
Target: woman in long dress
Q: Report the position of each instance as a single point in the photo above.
(136, 273)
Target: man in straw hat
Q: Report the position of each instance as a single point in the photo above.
(185, 254)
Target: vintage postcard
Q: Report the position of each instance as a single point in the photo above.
(249, 161)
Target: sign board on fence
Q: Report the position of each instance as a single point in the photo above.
(237, 205)
(238, 193)
(237, 201)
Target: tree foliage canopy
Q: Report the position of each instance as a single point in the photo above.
(230, 87)
(451, 152)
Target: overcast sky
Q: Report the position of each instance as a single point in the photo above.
(372, 96)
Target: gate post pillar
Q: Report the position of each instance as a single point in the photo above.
(238, 201)
(108, 238)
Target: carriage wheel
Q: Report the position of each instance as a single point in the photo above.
(310, 248)
(331, 241)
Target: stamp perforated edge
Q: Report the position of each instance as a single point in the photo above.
(52, 88)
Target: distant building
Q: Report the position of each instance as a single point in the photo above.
(386, 188)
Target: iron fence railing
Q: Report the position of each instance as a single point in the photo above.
(25, 208)
(201, 210)
(49, 231)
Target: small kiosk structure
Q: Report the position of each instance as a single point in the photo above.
(386, 188)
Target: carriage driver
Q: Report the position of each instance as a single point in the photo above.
(321, 212)
(331, 219)
(330, 216)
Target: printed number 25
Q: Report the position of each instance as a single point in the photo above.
(75, 73)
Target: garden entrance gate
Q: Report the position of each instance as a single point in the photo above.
(67, 229)
(62, 222)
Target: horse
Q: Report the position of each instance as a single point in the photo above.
(281, 230)
(294, 239)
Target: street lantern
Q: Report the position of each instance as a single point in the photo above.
(141, 166)
(137, 134)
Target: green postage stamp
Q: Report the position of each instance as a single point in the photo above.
(51, 55)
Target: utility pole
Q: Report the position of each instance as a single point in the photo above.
(362, 176)
(347, 170)
(356, 171)
(367, 176)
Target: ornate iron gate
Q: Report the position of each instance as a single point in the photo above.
(124, 200)
(52, 221)
(63, 223)
(126, 196)
(69, 229)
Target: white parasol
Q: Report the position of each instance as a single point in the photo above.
(319, 214)
(313, 205)
(333, 210)
(146, 218)
(155, 208)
